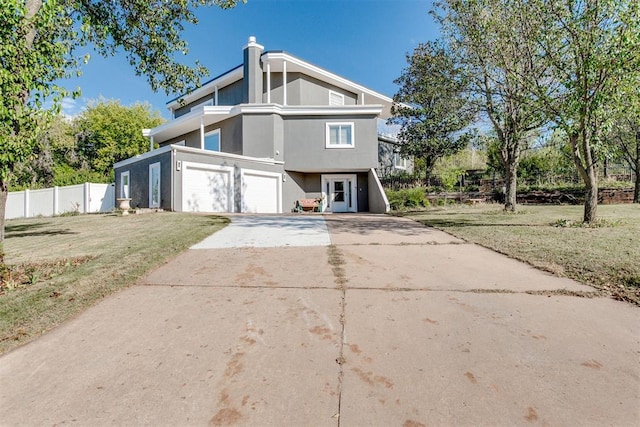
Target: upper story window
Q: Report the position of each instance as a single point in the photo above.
(212, 140)
(336, 98)
(399, 162)
(340, 135)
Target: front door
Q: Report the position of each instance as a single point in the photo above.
(339, 193)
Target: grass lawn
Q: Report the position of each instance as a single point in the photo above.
(62, 265)
(606, 257)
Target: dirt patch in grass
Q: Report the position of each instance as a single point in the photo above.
(58, 267)
(552, 238)
(22, 276)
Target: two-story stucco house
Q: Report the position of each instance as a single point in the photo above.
(274, 130)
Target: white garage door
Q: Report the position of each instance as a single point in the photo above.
(261, 191)
(207, 188)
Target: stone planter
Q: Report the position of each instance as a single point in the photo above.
(124, 205)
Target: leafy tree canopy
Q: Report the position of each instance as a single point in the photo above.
(39, 41)
(109, 132)
(431, 105)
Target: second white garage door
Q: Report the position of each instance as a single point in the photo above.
(261, 191)
(207, 188)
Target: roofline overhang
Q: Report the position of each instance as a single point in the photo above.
(324, 75)
(237, 73)
(208, 115)
(180, 148)
(223, 79)
(387, 138)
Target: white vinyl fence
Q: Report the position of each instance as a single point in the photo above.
(83, 198)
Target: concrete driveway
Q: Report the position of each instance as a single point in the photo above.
(393, 324)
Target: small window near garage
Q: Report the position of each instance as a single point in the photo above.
(336, 98)
(124, 185)
(399, 162)
(340, 135)
(212, 140)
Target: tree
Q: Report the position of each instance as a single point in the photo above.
(431, 106)
(625, 133)
(590, 51)
(38, 46)
(108, 132)
(51, 148)
(487, 39)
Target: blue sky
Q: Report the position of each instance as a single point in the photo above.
(362, 40)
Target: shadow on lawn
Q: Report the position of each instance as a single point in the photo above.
(32, 230)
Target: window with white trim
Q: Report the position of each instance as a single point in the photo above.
(340, 135)
(212, 140)
(336, 98)
(124, 185)
(399, 162)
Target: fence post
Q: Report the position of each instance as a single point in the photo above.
(87, 197)
(55, 201)
(26, 203)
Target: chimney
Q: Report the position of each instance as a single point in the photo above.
(252, 83)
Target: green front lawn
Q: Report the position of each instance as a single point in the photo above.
(606, 256)
(60, 266)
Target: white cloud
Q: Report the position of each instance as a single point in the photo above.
(70, 107)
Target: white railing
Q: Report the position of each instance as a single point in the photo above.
(81, 198)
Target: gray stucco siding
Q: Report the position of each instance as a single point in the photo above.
(263, 136)
(305, 145)
(293, 188)
(191, 139)
(316, 92)
(230, 136)
(187, 107)
(232, 94)
(277, 90)
(139, 181)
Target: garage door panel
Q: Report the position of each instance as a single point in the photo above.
(261, 192)
(207, 189)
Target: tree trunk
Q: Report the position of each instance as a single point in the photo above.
(511, 186)
(4, 193)
(583, 159)
(591, 195)
(636, 191)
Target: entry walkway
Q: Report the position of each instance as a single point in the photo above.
(387, 324)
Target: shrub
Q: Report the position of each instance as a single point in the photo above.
(407, 198)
